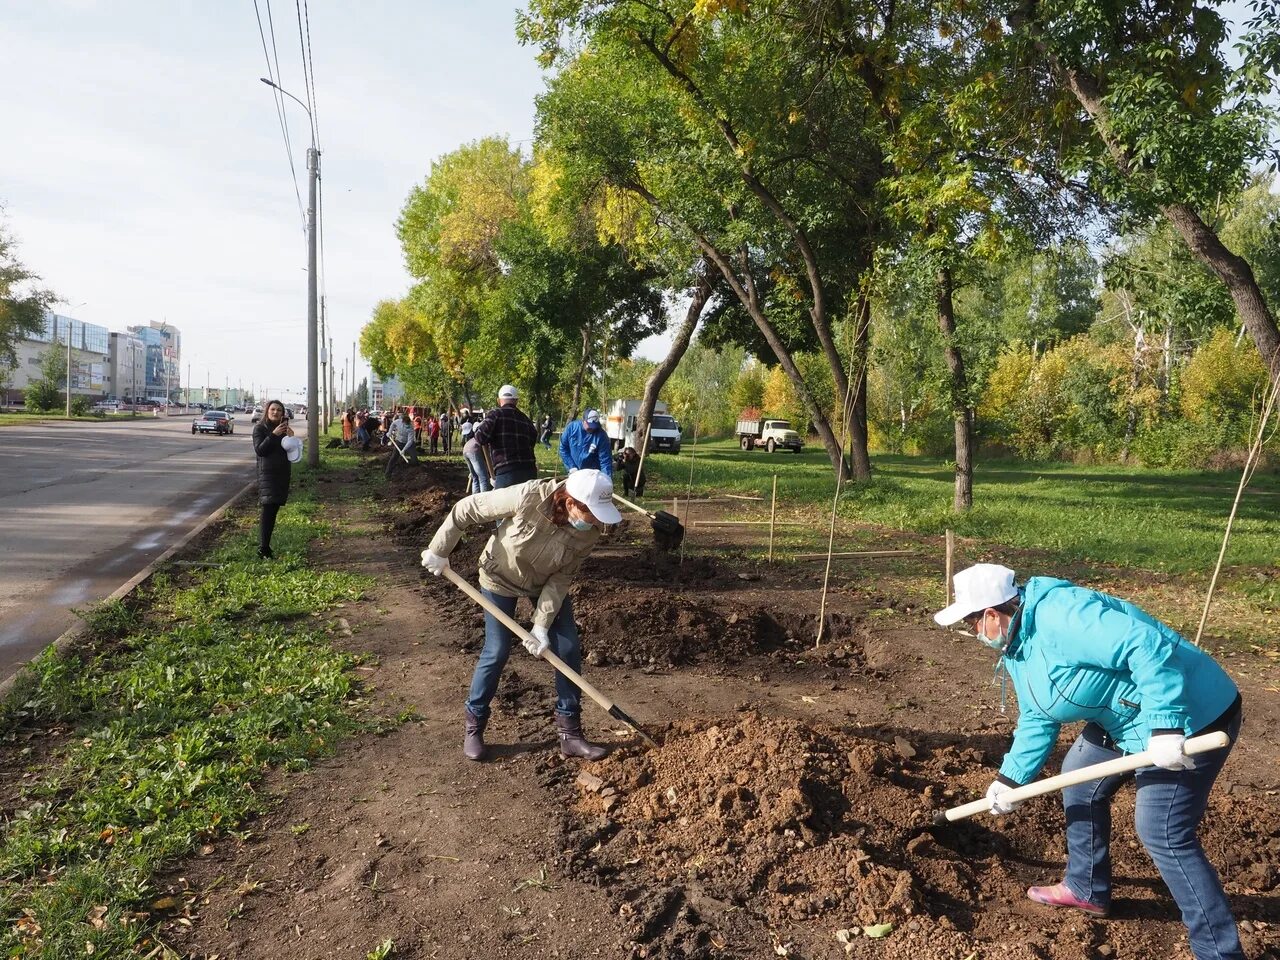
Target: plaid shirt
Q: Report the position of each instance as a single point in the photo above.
(510, 437)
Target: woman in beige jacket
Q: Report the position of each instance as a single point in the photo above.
(546, 530)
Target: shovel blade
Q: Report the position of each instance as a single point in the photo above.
(668, 531)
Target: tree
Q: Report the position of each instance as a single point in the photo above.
(617, 113)
(23, 303)
(1174, 126)
(512, 286)
(45, 393)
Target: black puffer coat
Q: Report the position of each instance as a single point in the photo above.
(273, 465)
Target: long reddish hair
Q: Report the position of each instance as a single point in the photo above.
(560, 501)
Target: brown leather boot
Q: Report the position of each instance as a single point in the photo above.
(574, 743)
(473, 744)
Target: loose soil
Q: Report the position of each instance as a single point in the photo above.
(789, 801)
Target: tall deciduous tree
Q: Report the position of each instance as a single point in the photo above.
(22, 302)
(1175, 125)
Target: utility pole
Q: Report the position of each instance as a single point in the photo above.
(324, 367)
(313, 346)
(329, 384)
(186, 402)
(68, 368)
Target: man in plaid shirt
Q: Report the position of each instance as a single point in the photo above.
(509, 436)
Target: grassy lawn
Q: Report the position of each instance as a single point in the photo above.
(11, 419)
(164, 726)
(1159, 520)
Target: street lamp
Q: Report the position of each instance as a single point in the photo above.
(313, 346)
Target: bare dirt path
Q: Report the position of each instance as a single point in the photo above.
(783, 808)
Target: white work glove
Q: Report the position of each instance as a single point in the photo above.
(573, 469)
(1000, 805)
(1166, 751)
(538, 641)
(434, 564)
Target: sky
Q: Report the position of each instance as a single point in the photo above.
(144, 174)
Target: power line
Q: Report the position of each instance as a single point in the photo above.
(279, 101)
(306, 75)
(315, 109)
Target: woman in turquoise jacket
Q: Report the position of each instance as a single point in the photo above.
(1073, 655)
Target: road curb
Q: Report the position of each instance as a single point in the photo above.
(74, 633)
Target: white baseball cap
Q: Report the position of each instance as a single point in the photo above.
(591, 416)
(467, 427)
(507, 392)
(292, 448)
(978, 587)
(594, 490)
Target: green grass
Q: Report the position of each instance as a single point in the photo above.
(13, 419)
(174, 716)
(1167, 520)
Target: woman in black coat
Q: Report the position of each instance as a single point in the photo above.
(273, 470)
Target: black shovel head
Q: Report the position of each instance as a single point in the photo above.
(668, 531)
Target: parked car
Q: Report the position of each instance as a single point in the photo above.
(214, 421)
(106, 406)
(257, 415)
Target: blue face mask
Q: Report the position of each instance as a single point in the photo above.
(583, 525)
(998, 642)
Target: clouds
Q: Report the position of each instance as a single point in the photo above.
(148, 176)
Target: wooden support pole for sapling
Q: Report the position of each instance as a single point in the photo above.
(855, 553)
(951, 552)
(773, 515)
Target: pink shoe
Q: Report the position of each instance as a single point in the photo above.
(1059, 896)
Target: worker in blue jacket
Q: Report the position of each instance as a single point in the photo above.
(584, 445)
(1075, 654)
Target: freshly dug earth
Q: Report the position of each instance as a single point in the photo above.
(810, 832)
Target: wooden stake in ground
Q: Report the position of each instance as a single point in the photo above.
(688, 494)
(773, 515)
(951, 552)
(1250, 464)
(643, 451)
(854, 553)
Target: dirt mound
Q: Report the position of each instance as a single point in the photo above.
(813, 832)
(658, 626)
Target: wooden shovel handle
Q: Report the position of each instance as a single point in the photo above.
(1108, 768)
(635, 507)
(573, 675)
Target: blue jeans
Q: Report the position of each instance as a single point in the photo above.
(497, 647)
(1167, 814)
(513, 478)
(479, 472)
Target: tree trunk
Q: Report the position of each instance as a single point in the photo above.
(1135, 381)
(582, 369)
(657, 380)
(959, 391)
(744, 289)
(856, 423)
(1201, 239)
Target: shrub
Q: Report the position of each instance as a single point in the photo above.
(80, 406)
(42, 395)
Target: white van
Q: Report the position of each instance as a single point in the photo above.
(620, 424)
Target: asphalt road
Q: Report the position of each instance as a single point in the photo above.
(85, 506)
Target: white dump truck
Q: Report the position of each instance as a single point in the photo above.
(755, 431)
(620, 425)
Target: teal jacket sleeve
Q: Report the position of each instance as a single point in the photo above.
(1123, 639)
(1033, 739)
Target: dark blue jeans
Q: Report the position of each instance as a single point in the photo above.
(1167, 815)
(497, 647)
(512, 478)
